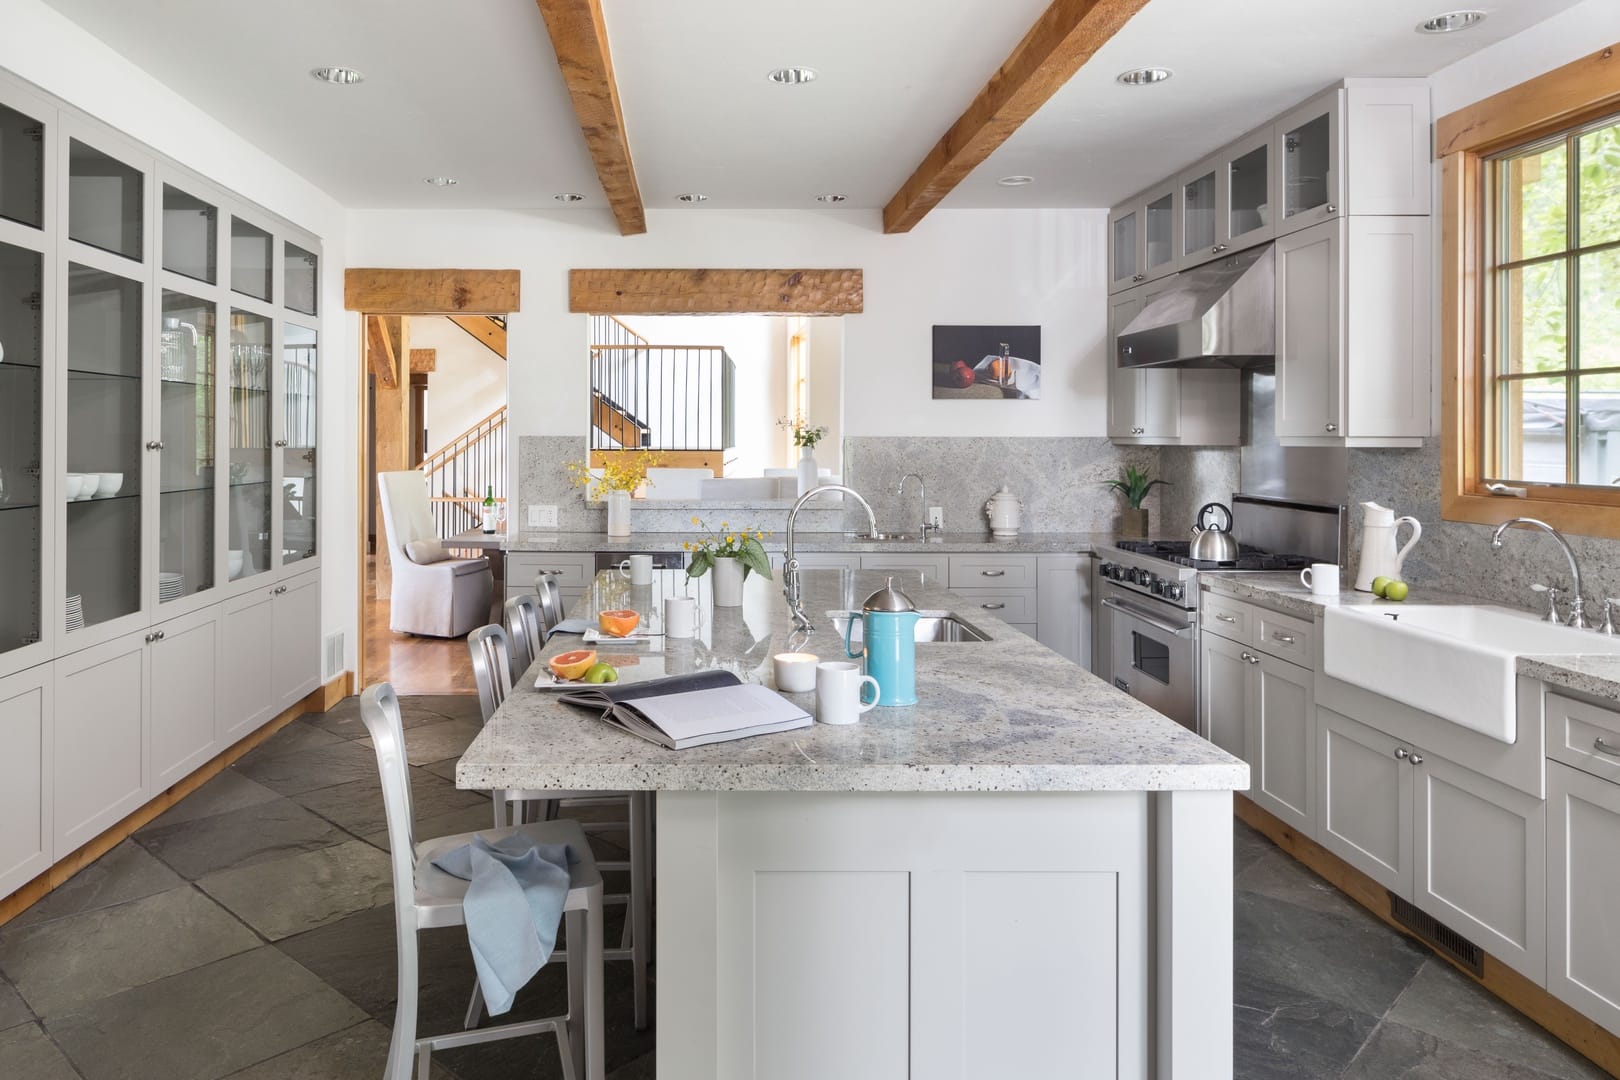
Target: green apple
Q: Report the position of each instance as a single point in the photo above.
(1395, 590)
(602, 673)
(1379, 584)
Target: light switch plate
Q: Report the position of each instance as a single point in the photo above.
(542, 517)
(936, 517)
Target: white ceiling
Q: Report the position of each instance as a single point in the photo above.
(472, 90)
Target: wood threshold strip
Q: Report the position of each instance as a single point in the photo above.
(1066, 35)
(1584, 1036)
(320, 699)
(579, 38)
(716, 292)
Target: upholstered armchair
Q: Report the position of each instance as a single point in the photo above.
(437, 596)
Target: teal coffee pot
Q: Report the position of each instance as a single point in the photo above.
(889, 633)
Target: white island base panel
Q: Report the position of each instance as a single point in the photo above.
(944, 935)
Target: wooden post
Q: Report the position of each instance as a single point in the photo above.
(391, 447)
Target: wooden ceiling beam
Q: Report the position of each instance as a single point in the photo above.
(380, 350)
(486, 330)
(1065, 36)
(424, 361)
(391, 291)
(579, 38)
(604, 291)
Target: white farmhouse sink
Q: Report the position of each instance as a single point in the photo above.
(1455, 661)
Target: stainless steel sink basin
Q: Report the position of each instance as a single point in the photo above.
(882, 538)
(931, 626)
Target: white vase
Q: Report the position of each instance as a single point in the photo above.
(618, 513)
(728, 582)
(807, 469)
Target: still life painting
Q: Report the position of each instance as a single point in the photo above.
(989, 363)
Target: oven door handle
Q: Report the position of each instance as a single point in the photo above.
(1137, 613)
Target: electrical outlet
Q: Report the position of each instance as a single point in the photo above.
(936, 517)
(543, 516)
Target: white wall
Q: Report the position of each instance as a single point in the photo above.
(42, 46)
(827, 390)
(1569, 35)
(468, 384)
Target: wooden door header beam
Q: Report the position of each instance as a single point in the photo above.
(1067, 35)
(385, 291)
(579, 38)
(716, 292)
(382, 348)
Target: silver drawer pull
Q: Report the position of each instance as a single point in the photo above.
(1605, 748)
(1284, 638)
(993, 573)
(997, 606)
(1225, 618)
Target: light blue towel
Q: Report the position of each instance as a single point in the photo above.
(514, 902)
(571, 626)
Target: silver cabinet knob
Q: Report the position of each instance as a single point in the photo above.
(1217, 249)
(151, 638)
(1333, 427)
(1138, 277)
(1332, 209)
(154, 445)
(1417, 759)
(1402, 753)
(281, 442)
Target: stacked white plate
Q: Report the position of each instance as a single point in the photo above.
(171, 585)
(75, 612)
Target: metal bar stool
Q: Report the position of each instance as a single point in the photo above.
(426, 898)
(525, 630)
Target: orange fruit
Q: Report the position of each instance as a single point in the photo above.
(621, 623)
(571, 665)
(997, 372)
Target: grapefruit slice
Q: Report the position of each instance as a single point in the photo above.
(571, 665)
(620, 623)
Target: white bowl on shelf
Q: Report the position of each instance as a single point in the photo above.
(108, 484)
(75, 485)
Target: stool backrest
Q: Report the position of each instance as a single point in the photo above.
(524, 631)
(379, 709)
(551, 601)
(492, 667)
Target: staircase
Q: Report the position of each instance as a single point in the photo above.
(459, 474)
(677, 401)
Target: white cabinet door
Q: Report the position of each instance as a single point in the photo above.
(25, 776)
(1063, 605)
(99, 756)
(251, 697)
(296, 648)
(1122, 385)
(1310, 332)
(1480, 861)
(1364, 799)
(1281, 740)
(1223, 693)
(1583, 879)
(1387, 340)
(934, 568)
(185, 695)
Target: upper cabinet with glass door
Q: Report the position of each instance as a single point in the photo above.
(299, 372)
(1142, 237)
(1125, 247)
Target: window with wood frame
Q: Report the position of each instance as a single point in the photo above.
(1530, 291)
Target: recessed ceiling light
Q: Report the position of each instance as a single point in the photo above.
(792, 76)
(1015, 181)
(440, 181)
(340, 76)
(569, 197)
(831, 197)
(692, 197)
(1144, 76)
(1451, 21)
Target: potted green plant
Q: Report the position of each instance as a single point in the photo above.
(1134, 485)
(731, 554)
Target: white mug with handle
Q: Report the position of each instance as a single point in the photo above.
(638, 568)
(1321, 578)
(838, 692)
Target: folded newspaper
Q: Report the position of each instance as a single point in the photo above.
(691, 710)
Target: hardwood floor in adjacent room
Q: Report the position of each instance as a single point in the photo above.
(414, 665)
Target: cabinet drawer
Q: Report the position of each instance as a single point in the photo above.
(1229, 618)
(992, 572)
(934, 568)
(1284, 636)
(1575, 730)
(574, 569)
(1010, 605)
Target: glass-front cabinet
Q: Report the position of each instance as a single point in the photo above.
(1245, 197)
(1307, 174)
(300, 369)
(187, 408)
(252, 470)
(1124, 247)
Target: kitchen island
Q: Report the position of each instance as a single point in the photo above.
(1026, 870)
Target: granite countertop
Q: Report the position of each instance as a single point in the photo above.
(1006, 714)
(1594, 674)
(944, 543)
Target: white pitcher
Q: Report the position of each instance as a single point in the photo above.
(1379, 555)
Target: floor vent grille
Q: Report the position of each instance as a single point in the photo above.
(1437, 934)
(334, 656)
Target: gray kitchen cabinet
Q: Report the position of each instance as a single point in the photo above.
(1280, 737)
(1310, 332)
(1364, 799)
(247, 630)
(100, 746)
(1125, 247)
(1583, 879)
(1480, 861)
(296, 644)
(1063, 596)
(934, 568)
(1167, 406)
(1223, 694)
(26, 839)
(184, 659)
(574, 571)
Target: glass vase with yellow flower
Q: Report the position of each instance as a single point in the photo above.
(619, 475)
(732, 554)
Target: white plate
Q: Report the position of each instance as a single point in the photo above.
(644, 668)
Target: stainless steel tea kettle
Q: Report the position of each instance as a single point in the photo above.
(1213, 542)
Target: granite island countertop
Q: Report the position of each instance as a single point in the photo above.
(1006, 714)
(1029, 543)
(1594, 674)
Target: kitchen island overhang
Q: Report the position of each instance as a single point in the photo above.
(1026, 869)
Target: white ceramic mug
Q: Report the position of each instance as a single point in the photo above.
(638, 568)
(795, 671)
(680, 616)
(1321, 578)
(838, 692)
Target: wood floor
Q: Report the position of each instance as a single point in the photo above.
(414, 665)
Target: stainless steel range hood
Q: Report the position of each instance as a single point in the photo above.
(1218, 315)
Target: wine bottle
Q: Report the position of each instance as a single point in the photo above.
(489, 509)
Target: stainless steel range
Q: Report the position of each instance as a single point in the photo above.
(1149, 593)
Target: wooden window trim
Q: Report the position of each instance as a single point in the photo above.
(1583, 90)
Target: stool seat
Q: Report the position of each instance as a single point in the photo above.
(439, 895)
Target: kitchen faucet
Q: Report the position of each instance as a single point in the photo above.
(922, 495)
(791, 587)
(1577, 603)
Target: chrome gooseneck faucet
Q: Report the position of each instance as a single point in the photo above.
(922, 495)
(1577, 603)
(791, 587)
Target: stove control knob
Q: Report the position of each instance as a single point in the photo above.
(1156, 586)
(1174, 590)
(1106, 570)
(1141, 576)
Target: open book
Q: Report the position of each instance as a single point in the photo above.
(691, 710)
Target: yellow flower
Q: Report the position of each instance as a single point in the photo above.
(695, 521)
(731, 540)
(686, 545)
